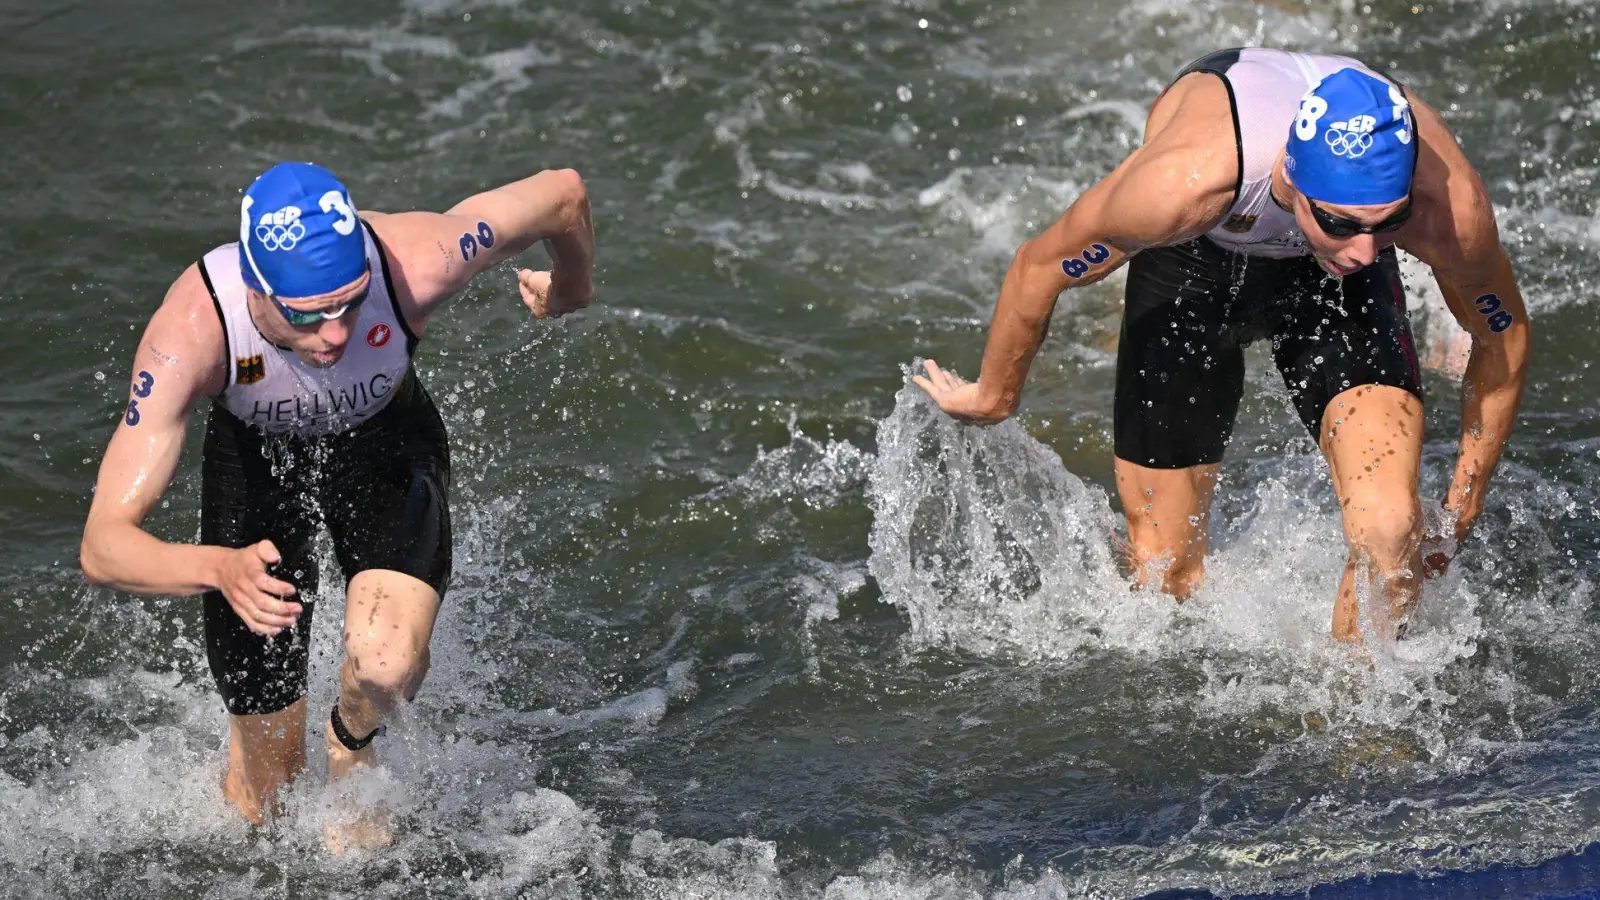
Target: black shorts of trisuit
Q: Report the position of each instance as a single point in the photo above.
(382, 491)
(1191, 309)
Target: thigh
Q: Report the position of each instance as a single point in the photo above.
(1345, 333)
(388, 506)
(1179, 378)
(242, 502)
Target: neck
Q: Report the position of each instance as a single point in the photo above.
(1280, 190)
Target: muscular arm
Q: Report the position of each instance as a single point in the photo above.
(1462, 244)
(1489, 306)
(180, 359)
(1148, 201)
(1172, 189)
(434, 255)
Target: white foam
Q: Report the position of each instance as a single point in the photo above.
(819, 474)
(1005, 205)
(735, 869)
(543, 841)
(732, 130)
(991, 545)
(971, 526)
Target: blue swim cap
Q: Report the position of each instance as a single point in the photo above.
(298, 234)
(1352, 143)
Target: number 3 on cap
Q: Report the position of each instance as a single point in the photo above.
(1402, 113)
(333, 201)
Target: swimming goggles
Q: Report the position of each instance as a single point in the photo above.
(301, 318)
(1341, 227)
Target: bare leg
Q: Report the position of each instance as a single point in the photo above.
(1167, 511)
(1372, 437)
(388, 622)
(265, 753)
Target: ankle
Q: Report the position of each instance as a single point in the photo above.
(247, 798)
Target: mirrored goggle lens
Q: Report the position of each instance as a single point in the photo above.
(298, 317)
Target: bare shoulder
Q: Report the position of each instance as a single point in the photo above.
(185, 337)
(1455, 226)
(424, 263)
(1196, 107)
(1189, 139)
(1181, 181)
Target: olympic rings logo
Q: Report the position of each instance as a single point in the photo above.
(280, 230)
(279, 237)
(1347, 143)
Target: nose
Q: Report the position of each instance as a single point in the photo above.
(336, 332)
(1362, 250)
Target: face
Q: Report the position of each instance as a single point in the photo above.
(1345, 255)
(322, 342)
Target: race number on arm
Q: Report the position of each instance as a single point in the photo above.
(181, 359)
(1460, 240)
(1174, 188)
(434, 255)
(1483, 296)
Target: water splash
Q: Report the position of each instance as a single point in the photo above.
(973, 527)
(993, 547)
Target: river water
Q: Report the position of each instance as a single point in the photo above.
(735, 614)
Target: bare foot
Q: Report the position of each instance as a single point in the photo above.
(359, 829)
(265, 753)
(244, 799)
(351, 825)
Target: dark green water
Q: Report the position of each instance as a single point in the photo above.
(730, 617)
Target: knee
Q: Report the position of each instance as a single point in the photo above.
(1179, 572)
(386, 672)
(1386, 532)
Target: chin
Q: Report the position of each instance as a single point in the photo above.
(1336, 270)
(322, 360)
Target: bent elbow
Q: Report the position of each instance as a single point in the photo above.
(94, 554)
(1040, 262)
(1028, 256)
(570, 184)
(93, 568)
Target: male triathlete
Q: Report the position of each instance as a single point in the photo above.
(302, 334)
(1265, 203)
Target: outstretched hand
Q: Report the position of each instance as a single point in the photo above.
(548, 298)
(962, 400)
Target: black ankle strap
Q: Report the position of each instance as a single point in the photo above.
(350, 741)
